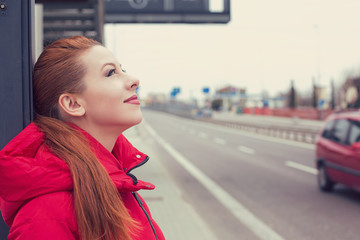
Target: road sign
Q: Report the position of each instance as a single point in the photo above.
(321, 103)
(175, 92)
(164, 11)
(206, 90)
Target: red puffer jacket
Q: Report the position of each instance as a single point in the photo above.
(36, 188)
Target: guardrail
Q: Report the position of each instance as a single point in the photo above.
(293, 133)
(289, 132)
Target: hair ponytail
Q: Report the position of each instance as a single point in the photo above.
(99, 210)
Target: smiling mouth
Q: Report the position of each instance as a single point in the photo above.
(133, 99)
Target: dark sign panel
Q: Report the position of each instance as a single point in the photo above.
(191, 6)
(134, 6)
(164, 11)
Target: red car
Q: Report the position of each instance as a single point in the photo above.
(338, 151)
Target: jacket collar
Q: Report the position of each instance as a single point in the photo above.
(29, 169)
(120, 162)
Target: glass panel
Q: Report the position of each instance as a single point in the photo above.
(327, 130)
(340, 131)
(354, 135)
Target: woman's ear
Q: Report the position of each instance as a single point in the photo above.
(70, 104)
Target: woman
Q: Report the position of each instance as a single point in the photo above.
(68, 174)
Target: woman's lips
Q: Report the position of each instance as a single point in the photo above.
(132, 100)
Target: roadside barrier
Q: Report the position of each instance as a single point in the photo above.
(293, 133)
(289, 132)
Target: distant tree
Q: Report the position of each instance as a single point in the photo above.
(332, 100)
(304, 99)
(292, 96)
(216, 104)
(314, 95)
(351, 82)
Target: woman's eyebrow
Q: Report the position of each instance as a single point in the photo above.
(105, 64)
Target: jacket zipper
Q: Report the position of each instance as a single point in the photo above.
(146, 214)
(136, 195)
(135, 181)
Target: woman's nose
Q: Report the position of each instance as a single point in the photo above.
(133, 82)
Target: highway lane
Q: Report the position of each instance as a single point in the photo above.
(273, 179)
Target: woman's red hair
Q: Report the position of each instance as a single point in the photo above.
(99, 209)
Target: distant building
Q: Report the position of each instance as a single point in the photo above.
(156, 98)
(231, 96)
(237, 99)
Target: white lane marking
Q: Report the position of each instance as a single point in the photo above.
(203, 135)
(245, 216)
(219, 141)
(301, 167)
(246, 150)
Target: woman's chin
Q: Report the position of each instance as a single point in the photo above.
(136, 120)
(139, 120)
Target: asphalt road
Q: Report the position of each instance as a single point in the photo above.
(250, 186)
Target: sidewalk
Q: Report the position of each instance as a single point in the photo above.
(177, 219)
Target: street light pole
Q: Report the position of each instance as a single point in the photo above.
(318, 54)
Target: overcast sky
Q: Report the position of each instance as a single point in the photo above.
(267, 43)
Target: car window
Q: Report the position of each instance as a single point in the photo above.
(354, 135)
(340, 131)
(327, 133)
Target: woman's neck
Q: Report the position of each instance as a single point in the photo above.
(105, 135)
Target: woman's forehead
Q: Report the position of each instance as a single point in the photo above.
(98, 56)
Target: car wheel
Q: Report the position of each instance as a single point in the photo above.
(325, 183)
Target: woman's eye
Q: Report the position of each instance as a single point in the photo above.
(111, 72)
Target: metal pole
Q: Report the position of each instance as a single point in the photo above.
(16, 63)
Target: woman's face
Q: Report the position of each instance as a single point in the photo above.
(109, 97)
